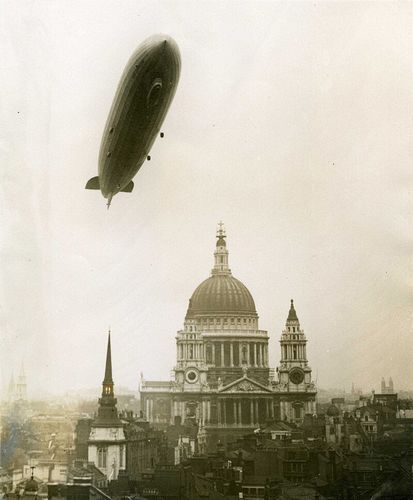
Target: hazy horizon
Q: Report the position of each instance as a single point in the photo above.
(292, 123)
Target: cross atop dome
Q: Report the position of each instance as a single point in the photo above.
(221, 235)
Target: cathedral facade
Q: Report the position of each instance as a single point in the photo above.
(222, 379)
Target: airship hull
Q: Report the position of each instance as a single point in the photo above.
(144, 94)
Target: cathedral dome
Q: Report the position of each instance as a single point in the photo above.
(221, 294)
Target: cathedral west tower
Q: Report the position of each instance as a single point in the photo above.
(294, 372)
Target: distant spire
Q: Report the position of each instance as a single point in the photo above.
(108, 368)
(11, 384)
(12, 388)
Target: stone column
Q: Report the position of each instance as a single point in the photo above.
(231, 353)
(222, 354)
(219, 412)
(252, 411)
(257, 418)
(255, 353)
(235, 412)
(239, 412)
(213, 352)
(248, 353)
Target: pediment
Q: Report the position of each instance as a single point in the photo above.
(244, 385)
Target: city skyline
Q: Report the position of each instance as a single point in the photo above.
(291, 123)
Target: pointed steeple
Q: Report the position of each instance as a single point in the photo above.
(21, 379)
(107, 411)
(107, 384)
(292, 319)
(108, 367)
(221, 252)
(11, 383)
(12, 388)
(21, 386)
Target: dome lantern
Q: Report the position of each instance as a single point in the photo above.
(221, 295)
(221, 252)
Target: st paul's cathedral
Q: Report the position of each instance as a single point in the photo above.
(222, 380)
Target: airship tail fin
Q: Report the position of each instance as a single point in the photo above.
(93, 183)
(128, 188)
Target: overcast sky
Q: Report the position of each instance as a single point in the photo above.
(292, 123)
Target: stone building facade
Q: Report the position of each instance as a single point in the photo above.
(222, 380)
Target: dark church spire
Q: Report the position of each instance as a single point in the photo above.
(107, 411)
(108, 368)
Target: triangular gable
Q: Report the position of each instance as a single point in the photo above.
(245, 384)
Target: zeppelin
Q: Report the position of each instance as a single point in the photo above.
(143, 97)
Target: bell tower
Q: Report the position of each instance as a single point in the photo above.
(294, 372)
(106, 446)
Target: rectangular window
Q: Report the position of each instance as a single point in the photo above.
(227, 354)
(252, 360)
(236, 354)
(217, 354)
(121, 451)
(102, 456)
